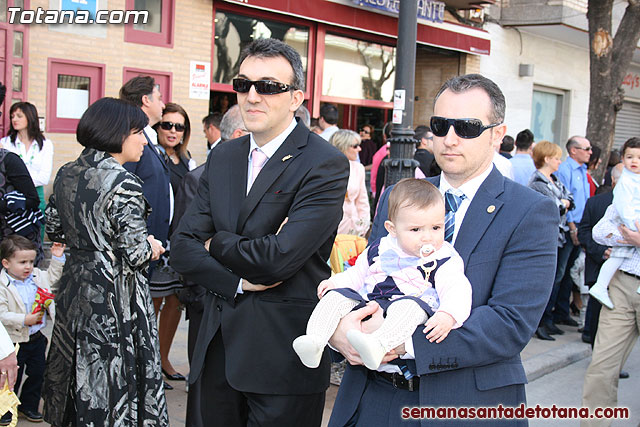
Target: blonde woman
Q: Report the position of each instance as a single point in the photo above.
(355, 210)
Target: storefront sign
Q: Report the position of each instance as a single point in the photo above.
(89, 5)
(631, 83)
(199, 80)
(427, 9)
(398, 99)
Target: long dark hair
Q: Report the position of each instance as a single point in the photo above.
(181, 149)
(33, 125)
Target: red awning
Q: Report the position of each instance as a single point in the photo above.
(445, 35)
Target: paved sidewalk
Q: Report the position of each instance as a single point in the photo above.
(539, 358)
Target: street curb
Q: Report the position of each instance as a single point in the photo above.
(552, 360)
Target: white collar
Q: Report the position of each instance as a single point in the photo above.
(152, 134)
(272, 146)
(469, 188)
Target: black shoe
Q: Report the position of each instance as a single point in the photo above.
(542, 334)
(623, 375)
(6, 419)
(586, 338)
(167, 386)
(553, 329)
(568, 321)
(33, 416)
(175, 377)
(581, 329)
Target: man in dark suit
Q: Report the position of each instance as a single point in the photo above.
(192, 296)
(151, 168)
(507, 236)
(262, 277)
(424, 148)
(596, 253)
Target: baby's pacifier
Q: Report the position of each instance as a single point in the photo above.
(426, 250)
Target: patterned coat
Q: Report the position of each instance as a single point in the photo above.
(103, 366)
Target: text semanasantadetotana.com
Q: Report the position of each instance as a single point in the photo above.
(518, 412)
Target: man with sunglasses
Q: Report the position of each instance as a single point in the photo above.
(506, 235)
(573, 174)
(261, 274)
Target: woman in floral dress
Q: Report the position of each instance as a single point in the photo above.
(103, 366)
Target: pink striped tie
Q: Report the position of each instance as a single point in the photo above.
(258, 159)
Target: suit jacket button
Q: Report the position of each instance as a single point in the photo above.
(455, 365)
(432, 366)
(219, 307)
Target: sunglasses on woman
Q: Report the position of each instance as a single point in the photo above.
(168, 125)
(263, 87)
(464, 128)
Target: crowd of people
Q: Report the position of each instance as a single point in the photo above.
(465, 262)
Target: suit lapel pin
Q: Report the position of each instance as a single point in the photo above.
(491, 208)
(287, 157)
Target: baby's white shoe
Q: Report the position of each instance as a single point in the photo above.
(370, 349)
(309, 349)
(602, 295)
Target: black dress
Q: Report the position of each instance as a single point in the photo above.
(103, 366)
(165, 281)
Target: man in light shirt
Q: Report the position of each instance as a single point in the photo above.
(522, 161)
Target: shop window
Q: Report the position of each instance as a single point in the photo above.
(358, 69)
(162, 79)
(546, 115)
(18, 42)
(72, 87)
(158, 30)
(233, 32)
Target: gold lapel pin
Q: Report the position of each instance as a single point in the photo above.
(287, 157)
(491, 208)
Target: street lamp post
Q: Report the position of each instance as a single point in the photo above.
(401, 163)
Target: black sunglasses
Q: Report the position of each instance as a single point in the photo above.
(464, 128)
(263, 87)
(168, 125)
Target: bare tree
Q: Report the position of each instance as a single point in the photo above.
(373, 87)
(609, 59)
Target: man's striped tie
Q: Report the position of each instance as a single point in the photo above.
(451, 205)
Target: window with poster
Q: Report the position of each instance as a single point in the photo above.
(71, 87)
(547, 115)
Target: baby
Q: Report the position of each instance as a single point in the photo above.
(626, 202)
(412, 273)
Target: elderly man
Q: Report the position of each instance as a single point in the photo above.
(507, 236)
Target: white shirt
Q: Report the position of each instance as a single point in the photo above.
(269, 150)
(6, 345)
(503, 164)
(39, 162)
(326, 134)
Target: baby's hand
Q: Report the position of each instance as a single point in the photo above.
(439, 324)
(57, 249)
(323, 287)
(32, 319)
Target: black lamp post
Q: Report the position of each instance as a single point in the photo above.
(401, 163)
